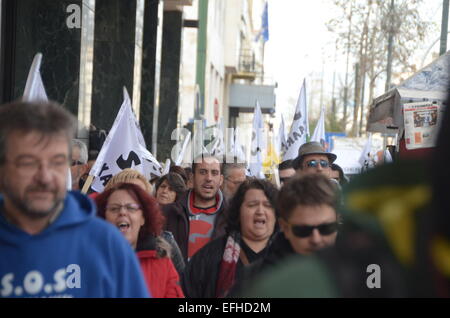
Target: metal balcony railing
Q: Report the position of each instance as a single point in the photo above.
(247, 62)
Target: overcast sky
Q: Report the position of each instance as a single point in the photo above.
(299, 42)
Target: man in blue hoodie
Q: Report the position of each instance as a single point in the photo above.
(51, 242)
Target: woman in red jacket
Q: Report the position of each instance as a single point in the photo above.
(137, 215)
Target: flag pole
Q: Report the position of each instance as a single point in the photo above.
(87, 184)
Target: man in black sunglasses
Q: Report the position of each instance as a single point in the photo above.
(308, 220)
(312, 158)
(307, 207)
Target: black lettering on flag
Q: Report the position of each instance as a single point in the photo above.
(290, 141)
(104, 167)
(297, 116)
(256, 151)
(105, 179)
(132, 158)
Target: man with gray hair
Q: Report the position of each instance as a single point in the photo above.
(78, 165)
(234, 176)
(51, 242)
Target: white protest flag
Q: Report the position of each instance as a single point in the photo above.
(364, 159)
(319, 131)
(299, 128)
(166, 167)
(150, 163)
(122, 149)
(182, 152)
(257, 145)
(35, 91)
(218, 148)
(238, 148)
(281, 140)
(234, 149)
(34, 88)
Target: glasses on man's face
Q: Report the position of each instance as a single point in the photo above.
(116, 208)
(76, 163)
(315, 163)
(304, 231)
(30, 166)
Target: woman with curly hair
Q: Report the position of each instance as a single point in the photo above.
(137, 215)
(251, 223)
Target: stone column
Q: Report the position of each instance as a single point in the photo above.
(151, 64)
(114, 41)
(170, 77)
(40, 26)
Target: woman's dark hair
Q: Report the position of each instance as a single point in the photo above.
(309, 190)
(181, 172)
(175, 182)
(154, 219)
(234, 209)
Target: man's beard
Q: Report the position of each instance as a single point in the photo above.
(206, 197)
(25, 207)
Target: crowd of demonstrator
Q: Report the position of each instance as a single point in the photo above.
(203, 231)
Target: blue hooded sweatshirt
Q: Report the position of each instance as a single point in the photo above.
(78, 255)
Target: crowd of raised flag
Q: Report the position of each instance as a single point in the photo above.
(206, 230)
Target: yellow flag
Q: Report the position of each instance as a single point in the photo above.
(272, 158)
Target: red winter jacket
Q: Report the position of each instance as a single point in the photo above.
(160, 274)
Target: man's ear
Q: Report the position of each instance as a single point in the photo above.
(283, 225)
(221, 180)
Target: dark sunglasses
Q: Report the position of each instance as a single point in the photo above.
(315, 163)
(76, 163)
(306, 230)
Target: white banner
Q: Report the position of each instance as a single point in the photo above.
(299, 128)
(123, 149)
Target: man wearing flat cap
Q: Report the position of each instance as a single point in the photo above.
(312, 158)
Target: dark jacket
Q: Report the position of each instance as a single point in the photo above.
(177, 221)
(279, 250)
(200, 276)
